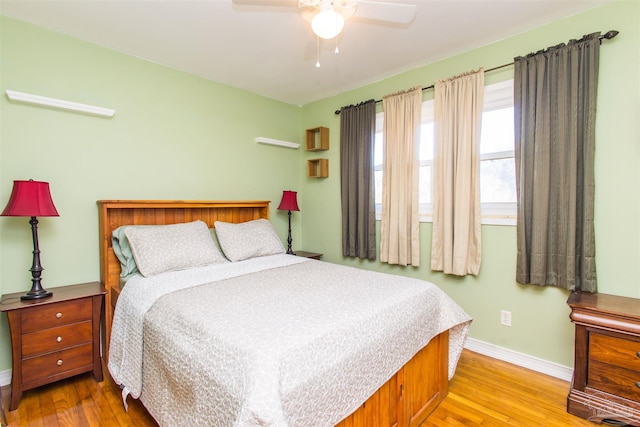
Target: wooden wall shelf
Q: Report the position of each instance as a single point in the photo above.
(317, 139)
(318, 168)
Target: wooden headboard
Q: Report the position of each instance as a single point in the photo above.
(114, 213)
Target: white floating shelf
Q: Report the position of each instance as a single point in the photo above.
(269, 141)
(59, 103)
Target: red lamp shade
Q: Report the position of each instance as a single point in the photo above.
(289, 201)
(30, 198)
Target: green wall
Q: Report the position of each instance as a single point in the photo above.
(177, 136)
(174, 136)
(541, 326)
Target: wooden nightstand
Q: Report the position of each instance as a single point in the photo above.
(54, 338)
(312, 255)
(606, 377)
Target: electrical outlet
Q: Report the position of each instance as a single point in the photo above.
(505, 317)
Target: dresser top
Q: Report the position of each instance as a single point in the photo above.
(605, 304)
(61, 293)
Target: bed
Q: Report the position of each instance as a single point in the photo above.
(405, 380)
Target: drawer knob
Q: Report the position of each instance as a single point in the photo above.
(58, 315)
(59, 339)
(59, 362)
(638, 384)
(638, 354)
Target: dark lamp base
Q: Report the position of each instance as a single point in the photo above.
(36, 295)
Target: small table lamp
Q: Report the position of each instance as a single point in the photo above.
(32, 198)
(289, 203)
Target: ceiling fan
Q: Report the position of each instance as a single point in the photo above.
(327, 17)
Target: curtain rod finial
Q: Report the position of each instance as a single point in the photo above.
(610, 34)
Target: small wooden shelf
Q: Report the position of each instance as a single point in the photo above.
(317, 139)
(318, 168)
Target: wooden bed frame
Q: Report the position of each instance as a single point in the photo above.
(405, 400)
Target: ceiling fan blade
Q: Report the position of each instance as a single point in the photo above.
(400, 13)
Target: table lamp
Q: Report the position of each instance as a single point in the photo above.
(289, 203)
(32, 198)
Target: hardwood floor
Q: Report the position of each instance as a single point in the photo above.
(484, 391)
(490, 392)
(76, 402)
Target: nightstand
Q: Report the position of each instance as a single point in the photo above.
(54, 338)
(606, 376)
(312, 255)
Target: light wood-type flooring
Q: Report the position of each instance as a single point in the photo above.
(484, 392)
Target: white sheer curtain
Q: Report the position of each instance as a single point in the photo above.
(456, 239)
(400, 225)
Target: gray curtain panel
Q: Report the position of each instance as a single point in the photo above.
(555, 112)
(357, 136)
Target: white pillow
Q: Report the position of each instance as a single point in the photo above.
(172, 247)
(248, 239)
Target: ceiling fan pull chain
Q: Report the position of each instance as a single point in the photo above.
(317, 52)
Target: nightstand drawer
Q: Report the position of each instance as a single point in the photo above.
(57, 363)
(615, 351)
(56, 339)
(615, 380)
(50, 315)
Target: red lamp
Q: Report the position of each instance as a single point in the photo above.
(32, 198)
(289, 203)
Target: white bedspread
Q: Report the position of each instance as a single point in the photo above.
(272, 341)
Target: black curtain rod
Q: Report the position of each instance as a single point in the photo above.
(606, 36)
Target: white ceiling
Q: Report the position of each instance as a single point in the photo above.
(271, 50)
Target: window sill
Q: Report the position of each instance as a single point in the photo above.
(499, 220)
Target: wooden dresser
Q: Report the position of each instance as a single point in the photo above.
(606, 378)
(54, 338)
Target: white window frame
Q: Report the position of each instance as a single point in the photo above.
(497, 96)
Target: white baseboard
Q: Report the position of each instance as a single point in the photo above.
(524, 360)
(5, 377)
(500, 353)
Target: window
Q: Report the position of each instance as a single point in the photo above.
(497, 163)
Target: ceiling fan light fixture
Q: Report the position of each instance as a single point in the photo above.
(327, 24)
